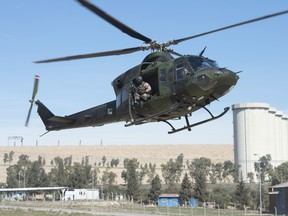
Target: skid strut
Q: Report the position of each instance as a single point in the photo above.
(189, 126)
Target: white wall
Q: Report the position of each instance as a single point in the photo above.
(259, 130)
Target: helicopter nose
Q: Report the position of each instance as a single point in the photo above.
(227, 76)
(226, 80)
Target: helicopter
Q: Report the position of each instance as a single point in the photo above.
(180, 85)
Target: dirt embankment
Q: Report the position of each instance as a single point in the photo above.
(158, 154)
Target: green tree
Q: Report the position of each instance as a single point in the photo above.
(104, 159)
(5, 158)
(242, 194)
(36, 175)
(199, 170)
(12, 176)
(155, 189)
(282, 172)
(228, 167)
(132, 177)
(17, 173)
(81, 175)
(114, 162)
(235, 172)
(151, 172)
(10, 157)
(58, 174)
(220, 196)
(250, 176)
(263, 166)
(186, 189)
(108, 178)
(171, 172)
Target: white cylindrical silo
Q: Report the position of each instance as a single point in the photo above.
(250, 134)
(285, 138)
(272, 134)
(278, 140)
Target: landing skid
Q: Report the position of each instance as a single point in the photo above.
(189, 126)
(144, 119)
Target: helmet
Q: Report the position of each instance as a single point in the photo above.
(138, 80)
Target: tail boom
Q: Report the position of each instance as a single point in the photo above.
(96, 116)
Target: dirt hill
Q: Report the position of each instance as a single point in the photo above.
(158, 154)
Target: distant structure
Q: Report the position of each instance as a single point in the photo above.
(278, 195)
(169, 200)
(259, 130)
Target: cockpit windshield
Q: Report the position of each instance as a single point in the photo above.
(198, 62)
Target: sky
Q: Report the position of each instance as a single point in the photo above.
(33, 30)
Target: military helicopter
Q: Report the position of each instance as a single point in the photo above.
(179, 86)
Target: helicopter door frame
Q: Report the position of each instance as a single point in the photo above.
(165, 78)
(182, 69)
(122, 103)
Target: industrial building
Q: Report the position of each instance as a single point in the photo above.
(278, 195)
(259, 130)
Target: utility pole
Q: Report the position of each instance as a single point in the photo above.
(260, 185)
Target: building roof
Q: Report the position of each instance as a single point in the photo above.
(169, 195)
(282, 185)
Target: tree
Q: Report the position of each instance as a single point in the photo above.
(186, 189)
(171, 172)
(242, 194)
(151, 172)
(220, 196)
(227, 169)
(282, 172)
(235, 172)
(12, 176)
(5, 158)
(263, 166)
(155, 189)
(114, 162)
(80, 176)
(58, 175)
(250, 176)
(18, 172)
(104, 159)
(108, 178)
(132, 177)
(10, 156)
(198, 170)
(36, 175)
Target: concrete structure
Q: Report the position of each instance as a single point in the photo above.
(259, 130)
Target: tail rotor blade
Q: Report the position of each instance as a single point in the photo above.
(35, 89)
(28, 116)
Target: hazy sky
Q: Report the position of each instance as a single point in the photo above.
(33, 30)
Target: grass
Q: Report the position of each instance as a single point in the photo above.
(110, 208)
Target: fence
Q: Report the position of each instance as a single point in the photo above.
(126, 208)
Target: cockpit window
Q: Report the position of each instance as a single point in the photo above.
(199, 62)
(182, 71)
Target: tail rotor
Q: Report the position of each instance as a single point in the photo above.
(35, 89)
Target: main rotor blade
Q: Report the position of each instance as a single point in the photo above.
(93, 55)
(230, 26)
(124, 28)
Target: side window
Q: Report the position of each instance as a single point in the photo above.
(121, 97)
(182, 71)
(163, 76)
(179, 71)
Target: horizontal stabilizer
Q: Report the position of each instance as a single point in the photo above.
(60, 119)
